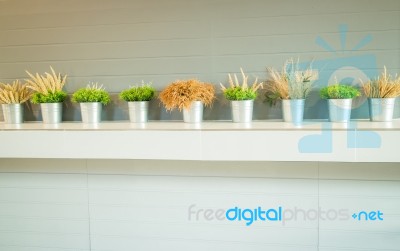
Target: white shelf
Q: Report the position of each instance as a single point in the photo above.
(358, 141)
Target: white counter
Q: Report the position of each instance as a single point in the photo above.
(123, 187)
(358, 141)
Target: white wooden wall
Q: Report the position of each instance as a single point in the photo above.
(119, 205)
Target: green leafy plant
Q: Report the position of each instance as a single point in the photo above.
(181, 93)
(92, 93)
(339, 91)
(145, 92)
(237, 91)
(290, 82)
(51, 97)
(47, 87)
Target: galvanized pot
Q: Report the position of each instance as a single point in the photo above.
(138, 111)
(242, 111)
(13, 113)
(91, 112)
(339, 110)
(51, 113)
(381, 109)
(293, 110)
(194, 114)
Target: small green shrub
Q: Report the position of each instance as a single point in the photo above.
(239, 93)
(138, 93)
(339, 91)
(51, 97)
(92, 93)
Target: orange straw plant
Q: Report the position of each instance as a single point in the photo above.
(181, 93)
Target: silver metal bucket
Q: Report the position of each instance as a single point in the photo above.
(91, 112)
(138, 111)
(339, 110)
(381, 109)
(293, 110)
(242, 111)
(194, 114)
(51, 112)
(13, 113)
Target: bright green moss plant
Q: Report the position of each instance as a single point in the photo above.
(51, 97)
(92, 93)
(339, 91)
(145, 92)
(239, 93)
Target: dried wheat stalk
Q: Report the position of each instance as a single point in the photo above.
(14, 93)
(278, 83)
(47, 83)
(290, 82)
(382, 87)
(235, 83)
(94, 86)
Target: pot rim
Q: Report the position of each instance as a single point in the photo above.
(89, 102)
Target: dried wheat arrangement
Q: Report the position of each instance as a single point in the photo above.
(278, 83)
(290, 82)
(383, 87)
(47, 83)
(181, 93)
(14, 93)
(244, 85)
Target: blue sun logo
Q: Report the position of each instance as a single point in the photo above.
(349, 66)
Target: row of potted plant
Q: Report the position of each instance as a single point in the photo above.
(47, 91)
(290, 85)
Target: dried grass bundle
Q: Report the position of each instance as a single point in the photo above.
(94, 86)
(47, 83)
(290, 82)
(232, 84)
(278, 84)
(14, 93)
(181, 93)
(382, 87)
